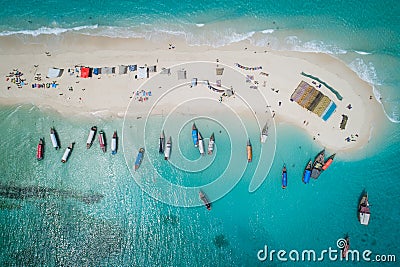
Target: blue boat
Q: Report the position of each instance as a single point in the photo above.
(307, 173)
(139, 158)
(195, 135)
(284, 177)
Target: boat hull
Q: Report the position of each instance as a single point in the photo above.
(39, 152)
(91, 136)
(54, 139)
(102, 141)
(284, 178)
(66, 154)
(139, 158)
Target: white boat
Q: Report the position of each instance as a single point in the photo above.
(167, 151)
(92, 133)
(211, 143)
(264, 133)
(67, 153)
(114, 143)
(201, 143)
(53, 138)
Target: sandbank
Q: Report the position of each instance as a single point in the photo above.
(110, 95)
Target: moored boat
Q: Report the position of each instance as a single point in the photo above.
(211, 143)
(92, 133)
(114, 143)
(307, 173)
(328, 162)
(363, 210)
(346, 247)
(195, 135)
(201, 143)
(162, 143)
(284, 177)
(54, 139)
(102, 141)
(249, 151)
(317, 165)
(139, 158)
(67, 153)
(40, 149)
(167, 151)
(264, 133)
(203, 197)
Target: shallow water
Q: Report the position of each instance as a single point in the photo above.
(90, 211)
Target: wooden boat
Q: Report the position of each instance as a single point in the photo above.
(307, 173)
(139, 158)
(114, 143)
(162, 143)
(284, 177)
(92, 133)
(211, 143)
(363, 210)
(201, 143)
(67, 153)
(54, 139)
(346, 247)
(167, 151)
(203, 197)
(328, 162)
(40, 149)
(249, 151)
(102, 141)
(319, 161)
(264, 133)
(195, 135)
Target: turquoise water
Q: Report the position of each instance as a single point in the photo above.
(91, 212)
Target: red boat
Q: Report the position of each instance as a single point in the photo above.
(40, 148)
(345, 249)
(102, 142)
(328, 162)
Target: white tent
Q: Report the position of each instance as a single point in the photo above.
(107, 70)
(165, 71)
(122, 69)
(54, 73)
(181, 74)
(143, 72)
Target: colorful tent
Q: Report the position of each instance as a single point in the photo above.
(85, 72)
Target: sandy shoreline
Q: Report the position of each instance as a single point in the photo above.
(109, 95)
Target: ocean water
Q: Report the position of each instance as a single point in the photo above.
(91, 212)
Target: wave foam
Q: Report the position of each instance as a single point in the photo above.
(48, 31)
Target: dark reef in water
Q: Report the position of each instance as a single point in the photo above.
(220, 241)
(21, 192)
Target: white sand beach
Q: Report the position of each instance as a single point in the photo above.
(109, 95)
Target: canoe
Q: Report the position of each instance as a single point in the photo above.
(40, 149)
(195, 135)
(211, 143)
(203, 197)
(284, 177)
(114, 143)
(264, 133)
(167, 152)
(139, 158)
(102, 141)
(249, 151)
(90, 138)
(54, 139)
(201, 144)
(307, 173)
(328, 162)
(162, 143)
(67, 153)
